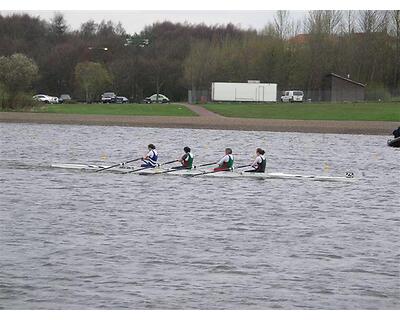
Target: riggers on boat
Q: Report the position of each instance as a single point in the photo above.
(349, 177)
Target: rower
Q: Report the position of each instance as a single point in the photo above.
(150, 159)
(260, 162)
(186, 160)
(396, 133)
(226, 163)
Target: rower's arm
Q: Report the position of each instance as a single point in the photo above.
(220, 162)
(147, 156)
(255, 163)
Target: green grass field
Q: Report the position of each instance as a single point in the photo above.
(118, 109)
(368, 111)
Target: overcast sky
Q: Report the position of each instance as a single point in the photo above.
(134, 21)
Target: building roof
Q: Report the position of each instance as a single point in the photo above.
(301, 38)
(346, 79)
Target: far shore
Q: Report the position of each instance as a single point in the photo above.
(223, 123)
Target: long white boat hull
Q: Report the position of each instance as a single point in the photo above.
(199, 173)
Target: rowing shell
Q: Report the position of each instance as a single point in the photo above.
(194, 172)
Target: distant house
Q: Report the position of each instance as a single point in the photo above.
(337, 88)
(300, 39)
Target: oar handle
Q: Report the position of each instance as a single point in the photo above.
(161, 164)
(137, 159)
(244, 166)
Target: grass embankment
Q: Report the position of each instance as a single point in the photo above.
(368, 111)
(131, 109)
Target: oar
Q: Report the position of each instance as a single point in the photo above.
(204, 165)
(209, 172)
(171, 170)
(244, 166)
(161, 164)
(118, 164)
(140, 169)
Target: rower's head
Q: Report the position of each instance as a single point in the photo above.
(151, 146)
(228, 151)
(260, 151)
(186, 149)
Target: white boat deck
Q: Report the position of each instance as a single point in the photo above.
(203, 173)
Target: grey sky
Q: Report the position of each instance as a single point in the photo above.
(134, 21)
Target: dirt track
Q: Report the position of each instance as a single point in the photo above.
(208, 122)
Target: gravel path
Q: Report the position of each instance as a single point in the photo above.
(200, 110)
(208, 122)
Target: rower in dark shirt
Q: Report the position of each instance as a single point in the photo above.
(260, 162)
(186, 160)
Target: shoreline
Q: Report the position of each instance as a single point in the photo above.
(207, 122)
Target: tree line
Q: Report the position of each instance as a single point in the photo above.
(174, 57)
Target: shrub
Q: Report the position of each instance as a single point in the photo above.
(4, 97)
(377, 93)
(70, 101)
(17, 73)
(20, 101)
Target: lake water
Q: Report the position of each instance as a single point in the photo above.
(84, 240)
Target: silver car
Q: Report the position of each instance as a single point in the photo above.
(45, 98)
(153, 99)
(121, 99)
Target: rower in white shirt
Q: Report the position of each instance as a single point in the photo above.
(226, 163)
(150, 159)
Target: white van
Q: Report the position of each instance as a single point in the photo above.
(293, 96)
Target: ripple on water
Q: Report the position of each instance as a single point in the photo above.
(78, 240)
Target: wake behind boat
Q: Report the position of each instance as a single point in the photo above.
(349, 177)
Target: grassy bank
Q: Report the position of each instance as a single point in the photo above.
(367, 111)
(118, 109)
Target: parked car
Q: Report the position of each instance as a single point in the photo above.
(45, 98)
(121, 99)
(64, 97)
(108, 97)
(153, 99)
(293, 96)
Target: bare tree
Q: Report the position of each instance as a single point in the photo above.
(88, 29)
(370, 21)
(296, 27)
(200, 64)
(58, 24)
(323, 21)
(395, 30)
(348, 22)
(282, 24)
(394, 16)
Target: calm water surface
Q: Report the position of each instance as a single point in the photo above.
(84, 240)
